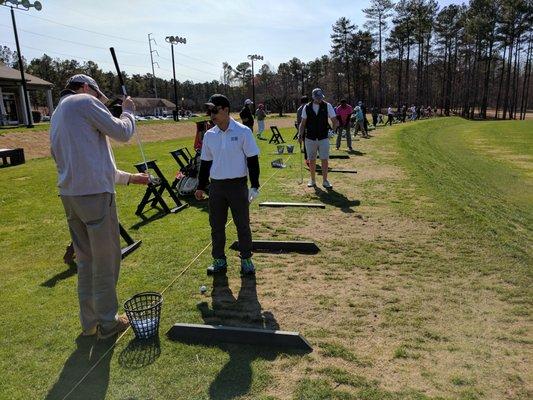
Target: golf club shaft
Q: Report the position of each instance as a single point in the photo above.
(301, 165)
(125, 93)
(119, 73)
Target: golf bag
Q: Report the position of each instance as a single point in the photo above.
(186, 181)
(187, 176)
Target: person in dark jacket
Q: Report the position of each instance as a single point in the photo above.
(246, 114)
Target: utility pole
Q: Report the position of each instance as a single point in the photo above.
(152, 61)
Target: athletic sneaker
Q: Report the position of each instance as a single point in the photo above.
(122, 324)
(327, 185)
(219, 266)
(311, 183)
(247, 266)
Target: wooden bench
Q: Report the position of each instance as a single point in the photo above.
(15, 156)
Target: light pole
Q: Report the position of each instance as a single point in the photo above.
(25, 6)
(254, 57)
(175, 40)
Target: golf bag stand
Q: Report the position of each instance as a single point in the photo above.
(182, 157)
(131, 246)
(276, 136)
(154, 192)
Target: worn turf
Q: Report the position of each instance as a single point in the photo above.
(422, 289)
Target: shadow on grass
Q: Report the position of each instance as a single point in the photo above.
(87, 353)
(71, 271)
(201, 205)
(140, 353)
(336, 199)
(355, 152)
(235, 378)
(146, 220)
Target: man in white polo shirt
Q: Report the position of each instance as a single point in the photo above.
(315, 125)
(229, 155)
(79, 137)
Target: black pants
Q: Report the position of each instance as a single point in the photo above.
(389, 121)
(232, 194)
(374, 119)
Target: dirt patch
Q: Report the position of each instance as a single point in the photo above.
(521, 161)
(382, 302)
(37, 144)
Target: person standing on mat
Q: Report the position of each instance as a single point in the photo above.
(344, 113)
(229, 155)
(79, 137)
(246, 115)
(260, 115)
(315, 124)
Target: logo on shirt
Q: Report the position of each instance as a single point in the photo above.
(234, 138)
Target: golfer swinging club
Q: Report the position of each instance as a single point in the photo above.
(315, 126)
(79, 135)
(229, 155)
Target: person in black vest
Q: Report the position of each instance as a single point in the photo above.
(316, 126)
(246, 115)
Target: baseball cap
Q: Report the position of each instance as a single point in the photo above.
(82, 78)
(317, 94)
(248, 101)
(218, 100)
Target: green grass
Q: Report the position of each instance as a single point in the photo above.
(455, 285)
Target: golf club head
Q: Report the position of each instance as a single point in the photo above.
(154, 180)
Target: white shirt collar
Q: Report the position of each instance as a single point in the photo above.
(230, 126)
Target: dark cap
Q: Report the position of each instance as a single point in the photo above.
(218, 100)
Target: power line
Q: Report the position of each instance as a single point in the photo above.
(191, 57)
(75, 56)
(72, 41)
(186, 66)
(82, 29)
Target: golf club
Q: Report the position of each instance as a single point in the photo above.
(301, 165)
(153, 179)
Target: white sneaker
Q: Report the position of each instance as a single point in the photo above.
(311, 183)
(326, 184)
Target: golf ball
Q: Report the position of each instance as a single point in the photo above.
(203, 289)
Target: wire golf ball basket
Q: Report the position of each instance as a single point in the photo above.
(144, 312)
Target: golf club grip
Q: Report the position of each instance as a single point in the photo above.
(120, 79)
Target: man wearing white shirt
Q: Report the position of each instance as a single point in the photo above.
(315, 124)
(79, 136)
(229, 155)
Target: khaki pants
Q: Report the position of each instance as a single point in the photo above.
(94, 229)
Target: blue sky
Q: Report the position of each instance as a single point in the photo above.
(216, 31)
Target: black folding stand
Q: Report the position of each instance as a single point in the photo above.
(156, 190)
(131, 245)
(182, 156)
(276, 136)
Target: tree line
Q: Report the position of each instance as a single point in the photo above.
(472, 60)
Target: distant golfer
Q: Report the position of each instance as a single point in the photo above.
(315, 125)
(260, 114)
(229, 155)
(360, 122)
(344, 113)
(79, 135)
(246, 114)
